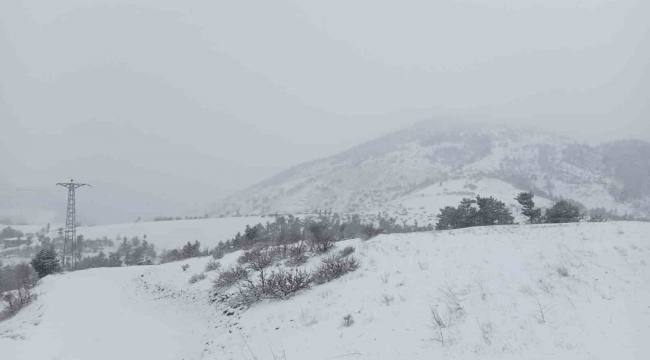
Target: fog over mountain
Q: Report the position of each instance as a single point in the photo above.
(166, 107)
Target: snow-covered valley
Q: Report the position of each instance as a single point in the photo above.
(572, 291)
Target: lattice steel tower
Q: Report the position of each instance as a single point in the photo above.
(70, 242)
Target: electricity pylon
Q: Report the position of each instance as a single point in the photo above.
(70, 242)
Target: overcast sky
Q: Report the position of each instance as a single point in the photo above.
(168, 105)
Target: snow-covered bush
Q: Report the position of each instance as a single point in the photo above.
(212, 266)
(197, 277)
(283, 284)
(347, 251)
(333, 266)
(230, 277)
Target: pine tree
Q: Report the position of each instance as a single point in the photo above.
(492, 212)
(46, 262)
(525, 199)
(563, 212)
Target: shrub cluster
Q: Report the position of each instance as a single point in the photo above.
(333, 266)
(197, 277)
(254, 283)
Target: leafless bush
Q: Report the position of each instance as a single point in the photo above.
(348, 320)
(347, 251)
(283, 284)
(23, 280)
(197, 277)
(247, 294)
(452, 298)
(562, 271)
(185, 267)
(370, 231)
(218, 253)
(15, 300)
(333, 266)
(423, 265)
(230, 277)
(212, 266)
(438, 323)
(321, 240)
(256, 259)
(297, 254)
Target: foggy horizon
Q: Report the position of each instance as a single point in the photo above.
(165, 108)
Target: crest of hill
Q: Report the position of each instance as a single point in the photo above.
(436, 159)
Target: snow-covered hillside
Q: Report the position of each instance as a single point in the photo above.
(572, 291)
(162, 234)
(439, 162)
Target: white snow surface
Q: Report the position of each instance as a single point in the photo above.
(487, 283)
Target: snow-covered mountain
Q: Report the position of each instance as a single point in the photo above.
(414, 172)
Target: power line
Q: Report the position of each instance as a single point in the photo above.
(70, 242)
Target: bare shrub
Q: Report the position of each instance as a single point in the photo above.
(15, 300)
(297, 254)
(230, 277)
(321, 239)
(256, 259)
(283, 284)
(23, 280)
(212, 266)
(423, 265)
(197, 277)
(218, 253)
(347, 251)
(562, 271)
(438, 323)
(334, 266)
(370, 231)
(348, 320)
(185, 267)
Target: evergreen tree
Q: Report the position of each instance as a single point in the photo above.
(492, 212)
(114, 259)
(46, 262)
(563, 212)
(525, 199)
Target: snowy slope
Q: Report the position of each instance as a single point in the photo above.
(488, 284)
(381, 174)
(162, 234)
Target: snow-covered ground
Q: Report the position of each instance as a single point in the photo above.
(162, 234)
(499, 291)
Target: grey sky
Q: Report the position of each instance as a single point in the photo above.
(168, 105)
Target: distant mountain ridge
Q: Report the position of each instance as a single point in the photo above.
(427, 166)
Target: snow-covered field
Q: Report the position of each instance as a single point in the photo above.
(162, 234)
(501, 292)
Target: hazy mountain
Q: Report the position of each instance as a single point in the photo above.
(435, 163)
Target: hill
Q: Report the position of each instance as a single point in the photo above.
(571, 291)
(412, 173)
(161, 234)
